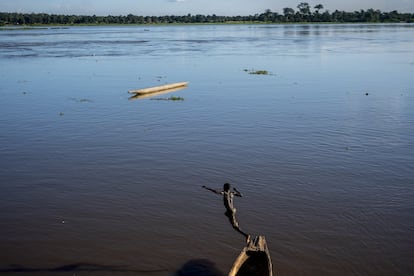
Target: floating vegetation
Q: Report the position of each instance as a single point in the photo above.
(172, 98)
(85, 101)
(81, 100)
(257, 72)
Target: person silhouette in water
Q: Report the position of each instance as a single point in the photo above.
(230, 213)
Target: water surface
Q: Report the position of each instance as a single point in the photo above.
(322, 148)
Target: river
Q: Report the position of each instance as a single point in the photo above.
(321, 147)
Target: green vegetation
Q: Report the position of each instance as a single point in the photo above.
(257, 72)
(304, 13)
(172, 98)
(81, 100)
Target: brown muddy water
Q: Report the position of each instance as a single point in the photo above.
(322, 149)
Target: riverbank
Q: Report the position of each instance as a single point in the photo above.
(268, 17)
(66, 26)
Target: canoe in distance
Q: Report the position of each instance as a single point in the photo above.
(150, 95)
(254, 260)
(160, 88)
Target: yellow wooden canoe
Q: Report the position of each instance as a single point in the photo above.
(254, 260)
(160, 88)
(150, 95)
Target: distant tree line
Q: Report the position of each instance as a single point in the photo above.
(303, 13)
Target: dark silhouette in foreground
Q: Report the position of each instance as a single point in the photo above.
(76, 267)
(199, 267)
(230, 213)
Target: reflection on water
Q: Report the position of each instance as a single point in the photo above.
(322, 149)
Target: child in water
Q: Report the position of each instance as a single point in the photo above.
(230, 213)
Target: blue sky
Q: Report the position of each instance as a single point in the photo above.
(181, 7)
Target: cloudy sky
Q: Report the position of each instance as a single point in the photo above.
(181, 7)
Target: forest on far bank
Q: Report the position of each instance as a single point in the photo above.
(303, 14)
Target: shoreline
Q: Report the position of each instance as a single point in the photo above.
(64, 26)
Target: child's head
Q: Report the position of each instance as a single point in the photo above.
(226, 187)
